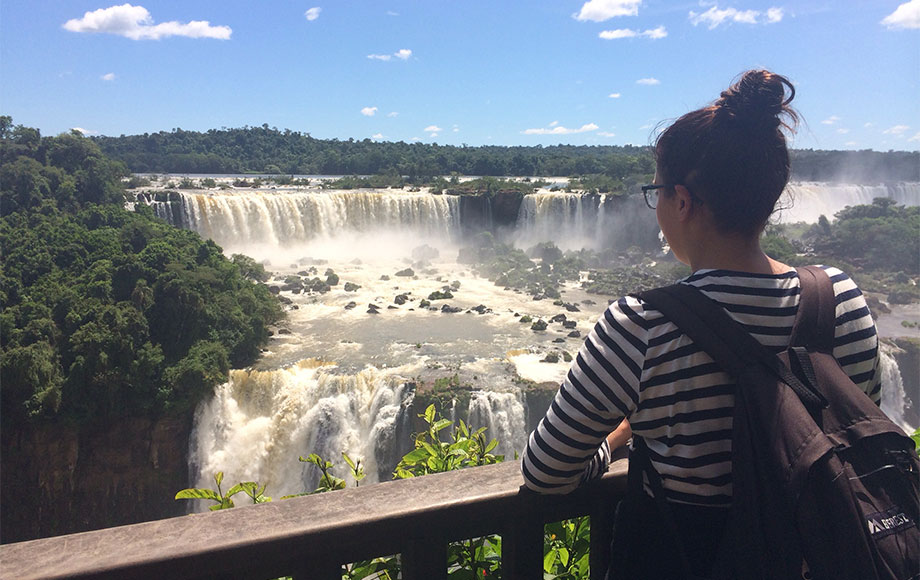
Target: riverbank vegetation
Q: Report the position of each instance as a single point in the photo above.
(877, 244)
(273, 151)
(109, 313)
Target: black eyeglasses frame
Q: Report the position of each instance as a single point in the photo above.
(652, 187)
(655, 187)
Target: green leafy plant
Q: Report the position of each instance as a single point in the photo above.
(223, 501)
(327, 482)
(566, 549)
(432, 455)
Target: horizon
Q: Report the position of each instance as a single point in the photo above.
(546, 73)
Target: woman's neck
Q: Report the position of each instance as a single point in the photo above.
(732, 252)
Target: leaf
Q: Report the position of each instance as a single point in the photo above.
(430, 414)
(549, 560)
(348, 460)
(441, 425)
(432, 451)
(492, 445)
(197, 493)
(236, 489)
(219, 477)
(415, 456)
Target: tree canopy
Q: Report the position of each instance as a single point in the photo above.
(109, 312)
(272, 151)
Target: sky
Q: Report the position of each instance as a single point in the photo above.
(474, 72)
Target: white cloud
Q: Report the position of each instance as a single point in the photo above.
(136, 23)
(606, 134)
(774, 15)
(896, 130)
(830, 120)
(649, 81)
(377, 136)
(393, 114)
(843, 131)
(369, 111)
(108, 77)
(614, 95)
(654, 33)
(554, 123)
(916, 137)
(432, 129)
(391, 13)
(869, 125)
(618, 33)
(81, 130)
(906, 15)
(402, 54)
(601, 10)
(715, 17)
(560, 130)
(313, 13)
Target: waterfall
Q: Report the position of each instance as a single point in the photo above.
(894, 398)
(259, 423)
(288, 217)
(571, 220)
(503, 416)
(807, 201)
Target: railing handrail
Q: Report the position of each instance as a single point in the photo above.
(312, 536)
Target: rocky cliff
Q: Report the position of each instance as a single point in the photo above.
(55, 479)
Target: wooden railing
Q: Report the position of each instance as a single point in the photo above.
(313, 536)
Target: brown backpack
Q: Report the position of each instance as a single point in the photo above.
(819, 473)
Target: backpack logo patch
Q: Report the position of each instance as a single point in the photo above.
(888, 522)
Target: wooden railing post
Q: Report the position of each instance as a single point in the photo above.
(602, 514)
(318, 570)
(425, 559)
(522, 545)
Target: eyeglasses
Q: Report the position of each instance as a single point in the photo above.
(651, 194)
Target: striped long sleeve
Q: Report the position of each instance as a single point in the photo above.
(637, 364)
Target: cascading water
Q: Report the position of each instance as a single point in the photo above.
(385, 344)
(287, 217)
(260, 422)
(894, 398)
(572, 220)
(505, 416)
(807, 201)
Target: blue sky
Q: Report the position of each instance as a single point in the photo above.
(502, 72)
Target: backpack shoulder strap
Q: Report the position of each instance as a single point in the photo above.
(725, 340)
(816, 317)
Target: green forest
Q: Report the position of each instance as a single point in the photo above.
(273, 151)
(109, 313)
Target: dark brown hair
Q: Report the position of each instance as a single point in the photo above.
(732, 154)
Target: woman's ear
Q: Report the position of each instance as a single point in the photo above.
(684, 202)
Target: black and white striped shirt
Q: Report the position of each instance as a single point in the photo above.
(638, 364)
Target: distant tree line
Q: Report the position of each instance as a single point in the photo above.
(109, 313)
(270, 150)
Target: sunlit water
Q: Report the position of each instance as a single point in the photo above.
(337, 378)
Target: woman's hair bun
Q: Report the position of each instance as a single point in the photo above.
(759, 98)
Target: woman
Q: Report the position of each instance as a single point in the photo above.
(720, 171)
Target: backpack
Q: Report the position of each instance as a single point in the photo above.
(825, 486)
